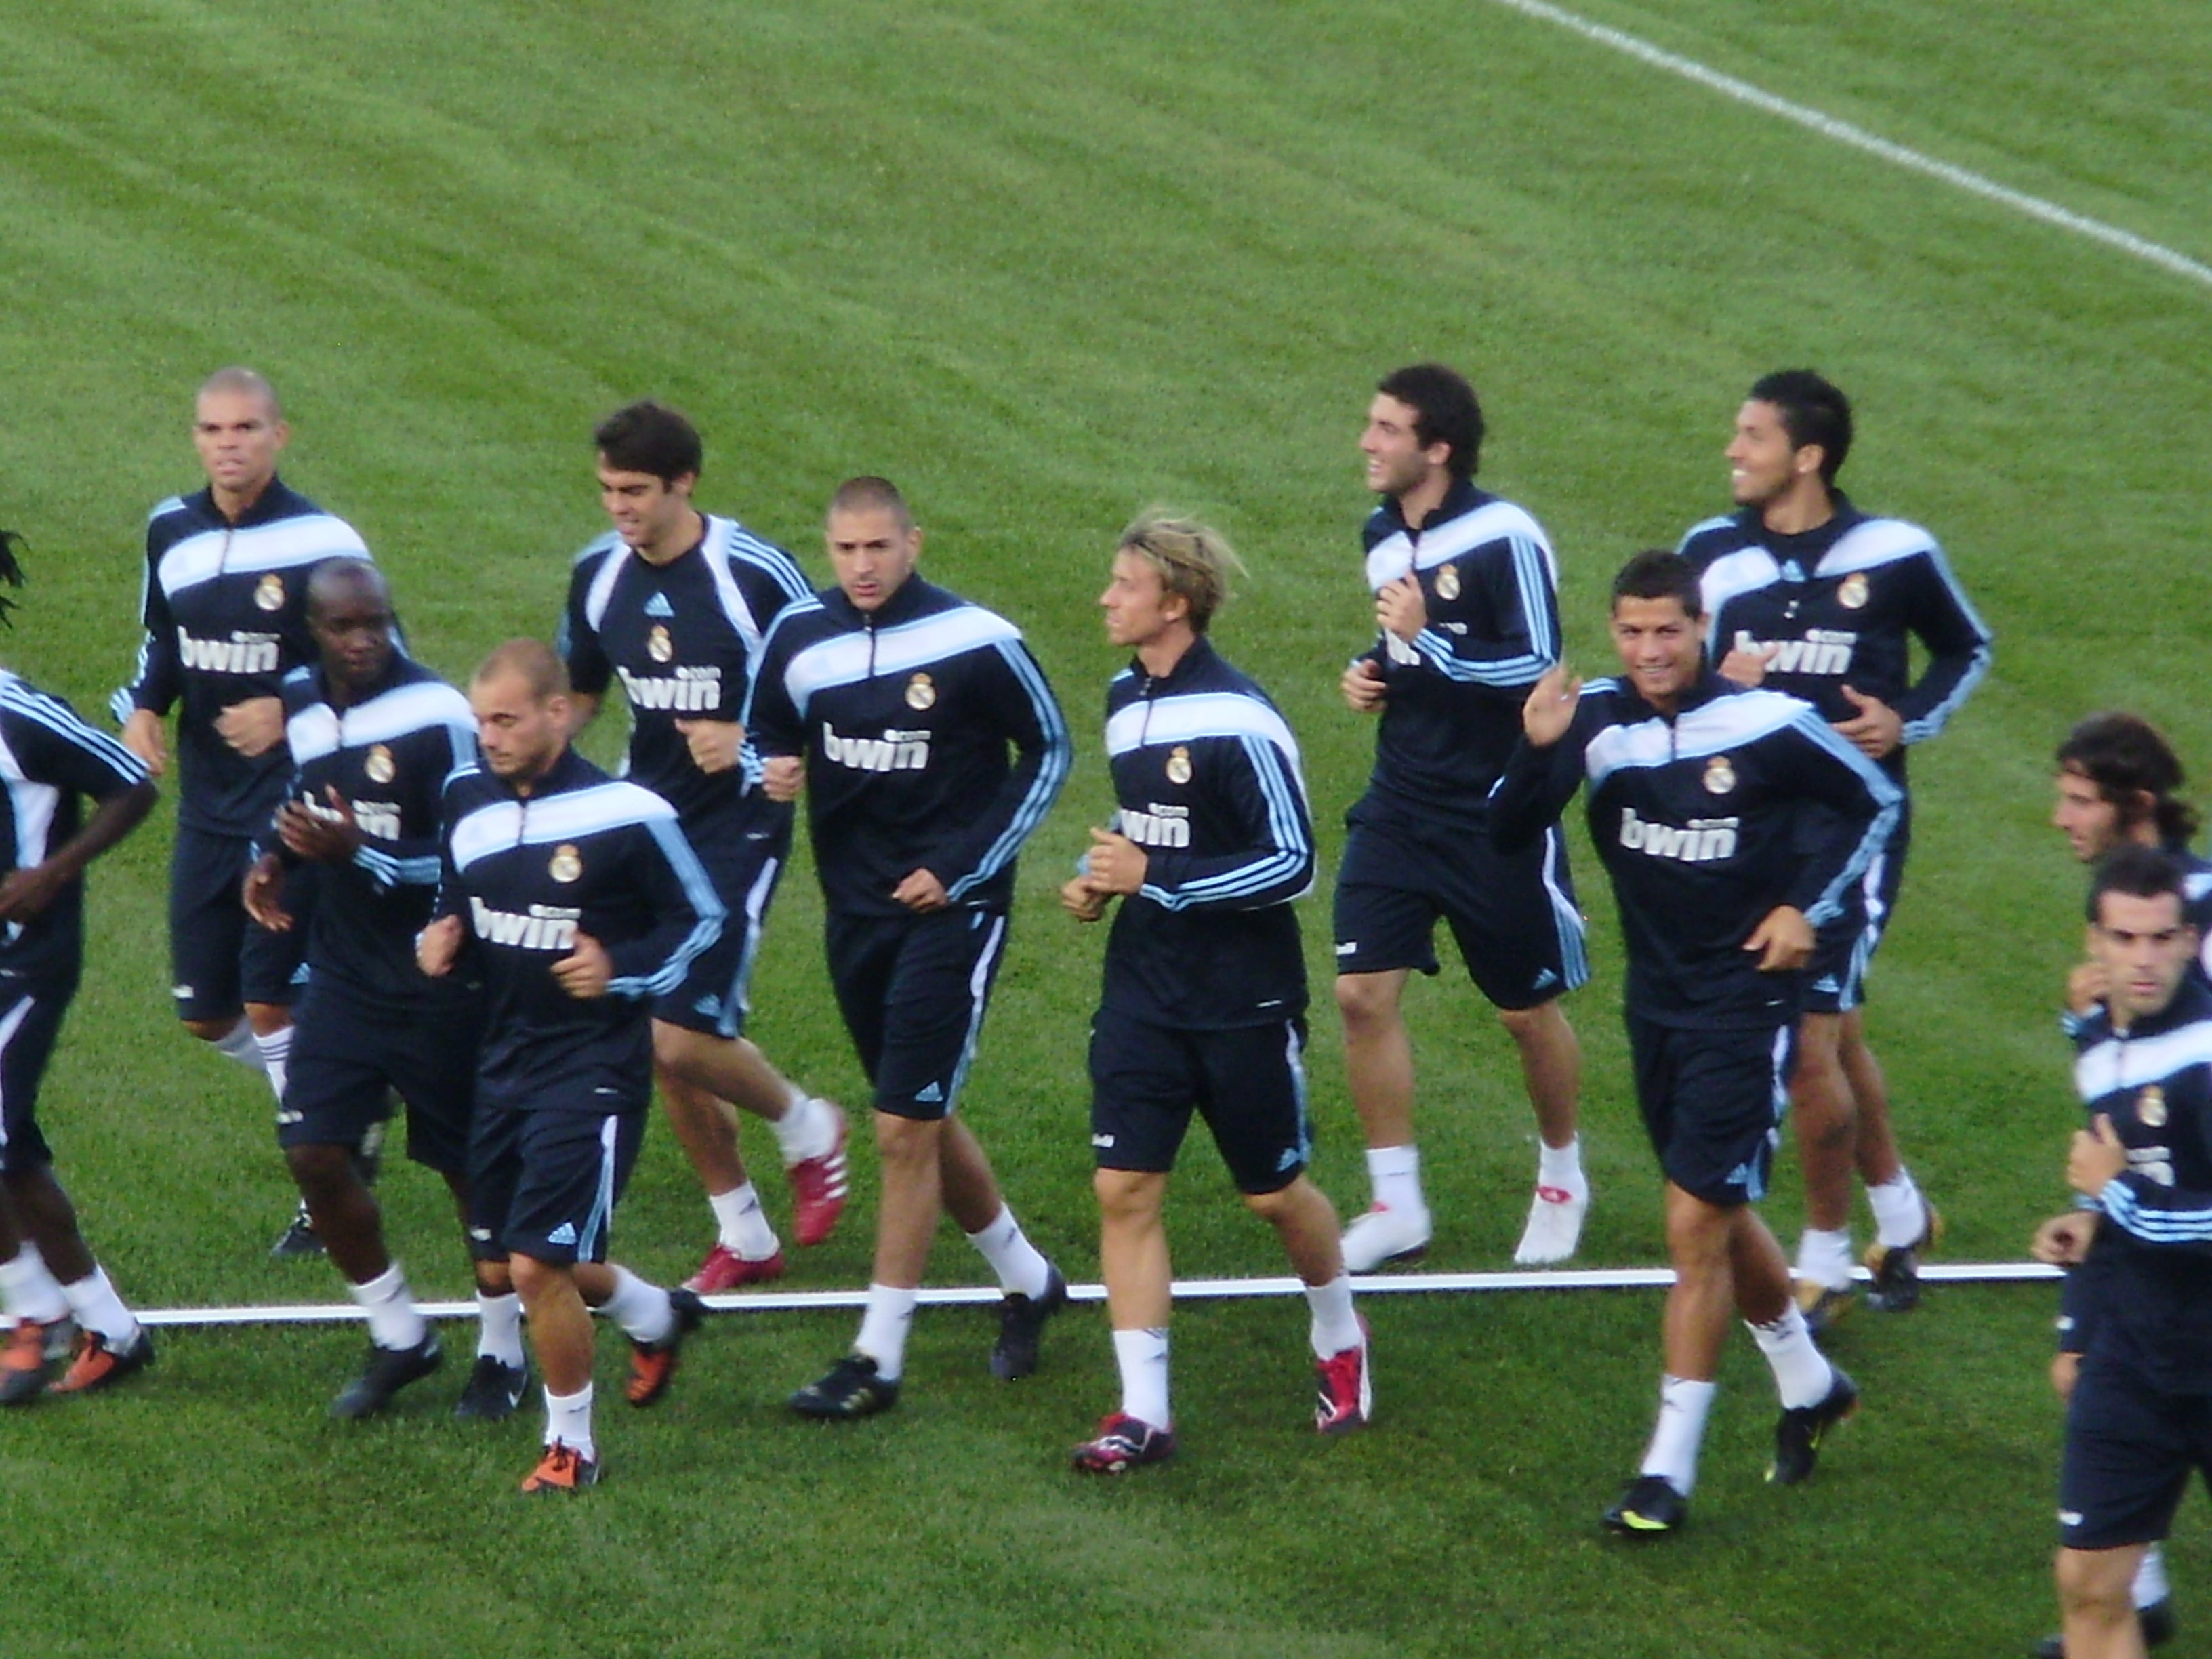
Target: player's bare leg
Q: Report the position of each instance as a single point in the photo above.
(704, 1079)
(1305, 1221)
(1378, 1058)
(1826, 1114)
(2096, 1605)
(1551, 1068)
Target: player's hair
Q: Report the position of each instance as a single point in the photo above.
(1814, 411)
(650, 437)
(2128, 758)
(334, 576)
(1446, 411)
(536, 662)
(2135, 871)
(1193, 559)
(11, 572)
(246, 380)
(1659, 573)
(869, 493)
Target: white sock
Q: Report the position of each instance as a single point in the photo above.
(499, 1328)
(28, 1291)
(1673, 1454)
(643, 1310)
(1143, 1359)
(1825, 1258)
(1900, 1214)
(1336, 1326)
(745, 1229)
(276, 1058)
(1395, 1172)
(392, 1321)
(93, 1300)
(807, 1129)
(1562, 1167)
(238, 1043)
(884, 1328)
(1803, 1374)
(2151, 1587)
(1021, 1269)
(568, 1420)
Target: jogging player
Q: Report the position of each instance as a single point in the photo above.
(225, 614)
(893, 704)
(1734, 824)
(374, 737)
(577, 899)
(58, 1301)
(1204, 1003)
(2136, 1422)
(2118, 784)
(1810, 596)
(674, 603)
(1467, 613)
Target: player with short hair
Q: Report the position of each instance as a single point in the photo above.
(2135, 1423)
(225, 614)
(894, 703)
(374, 737)
(577, 900)
(1204, 988)
(1734, 824)
(675, 602)
(1467, 612)
(1810, 596)
(56, 1297)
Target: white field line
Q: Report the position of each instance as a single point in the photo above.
(1188, 1290)
(1843, 132)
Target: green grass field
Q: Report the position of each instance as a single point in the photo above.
(1044, 264)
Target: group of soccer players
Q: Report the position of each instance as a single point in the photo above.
(384, 888)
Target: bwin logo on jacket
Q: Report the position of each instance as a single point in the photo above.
(894, 751)
(1700, 841)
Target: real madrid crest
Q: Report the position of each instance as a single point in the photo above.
(2150, 1107)
(1446, 581)
(1720, 776)
(269, 592)
(1179, 765)
(568, 863)
(658, 645)
(920, 692)
(380, 765)
(1853, 593)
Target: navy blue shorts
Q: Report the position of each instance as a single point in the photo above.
(1248, 1084)
(30, 1025)
(1712, 1104)
(349, 1058)
(743, 866)
(1513, 915)
(912, 990)
(2130, 1450)
(544, 1181)
(220, 958)
(1835, 977)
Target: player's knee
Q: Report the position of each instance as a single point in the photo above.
(533, 1278)
(2096, 1581)
(1367, 1001)
(320, 1170)
(1124, 1195)
(906, 1141)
